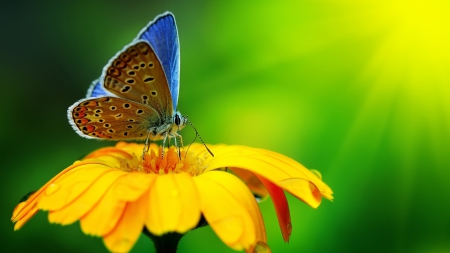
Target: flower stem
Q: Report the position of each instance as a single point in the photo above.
(166, 243)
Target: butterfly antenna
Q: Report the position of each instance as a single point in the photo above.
(197, 134)
(187, 150)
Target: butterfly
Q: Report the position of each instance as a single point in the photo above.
(137, 94)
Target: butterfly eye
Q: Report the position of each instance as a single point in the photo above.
(177, 120)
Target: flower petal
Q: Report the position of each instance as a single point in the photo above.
(296, 168)
(252, 182)
(256, 187)
(133, 185)
(30, 213)
(22, 212)
(230, 208)
(281, 207)
(104, 216)
(279, 169)
(85, 202)
(112, 198)
(173, 204)
(109, 151)
(69, 186)
(129, 227)
(303, 189)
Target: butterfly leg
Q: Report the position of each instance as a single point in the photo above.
(181, 144)
(164, 144)
(181, 140)
(146, 146)
(177, 145)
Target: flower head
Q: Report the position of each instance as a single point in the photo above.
(115, 194)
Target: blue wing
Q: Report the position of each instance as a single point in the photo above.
(96, 90)
(162, 34)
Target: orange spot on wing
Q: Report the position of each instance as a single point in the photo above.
(90, 104)
(101, 135)
(83, 121)
(82, 109)
(90, 128)
(79, 115)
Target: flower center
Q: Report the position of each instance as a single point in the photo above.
(155, 162)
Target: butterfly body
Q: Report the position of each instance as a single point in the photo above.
(136, 96)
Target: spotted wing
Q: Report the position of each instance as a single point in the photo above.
(162, 34)
(112, 118)
(136, 74)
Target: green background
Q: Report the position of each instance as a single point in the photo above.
(358, 90)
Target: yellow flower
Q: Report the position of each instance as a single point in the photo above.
(115, 194)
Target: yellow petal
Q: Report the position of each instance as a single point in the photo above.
(70, 185)
(133, 185)
(129, 227)
(173, 204)
(31, 212)
(261, 237)
(229, 207)
(109, 151)
(277, 168)
(298, 169)
(85, 202)
(302, 189)
(22, 210)
(103, 217)
(107, 160)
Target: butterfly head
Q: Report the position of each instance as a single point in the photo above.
(179, 121)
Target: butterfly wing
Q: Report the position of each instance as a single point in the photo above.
(162, 34)
(112, 118)
(138, 90)
(97, 90)
(136, 74)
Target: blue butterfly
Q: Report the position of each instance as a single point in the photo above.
(136, 96)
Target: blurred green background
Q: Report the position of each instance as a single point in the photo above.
(358, 90)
